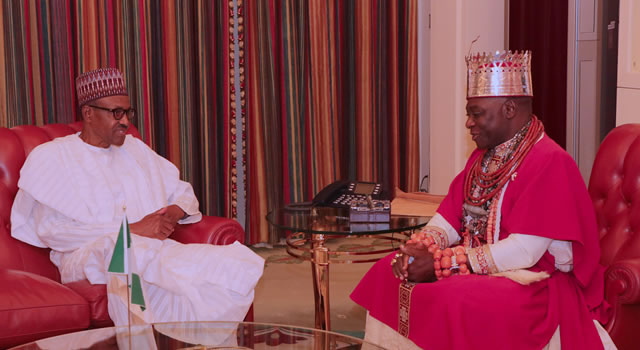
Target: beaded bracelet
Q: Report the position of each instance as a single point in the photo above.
(446, 262)
(449, 261)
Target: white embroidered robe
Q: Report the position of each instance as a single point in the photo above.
(71, 199)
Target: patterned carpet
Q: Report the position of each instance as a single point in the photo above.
(285, 292)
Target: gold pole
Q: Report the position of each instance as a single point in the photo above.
(320, 275)
(129, 311)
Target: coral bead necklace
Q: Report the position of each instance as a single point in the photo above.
(492, 182)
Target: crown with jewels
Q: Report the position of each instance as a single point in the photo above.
(500, 74)
(99, 83)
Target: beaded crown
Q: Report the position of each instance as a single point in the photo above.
(99, 83)
(500, 74)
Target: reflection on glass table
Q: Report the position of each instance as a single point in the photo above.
(202, 335)
(335, 221)
(310, 227)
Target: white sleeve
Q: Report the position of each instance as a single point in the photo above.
(562, 251)
(42, 226)
(180, 192)
(520, 251)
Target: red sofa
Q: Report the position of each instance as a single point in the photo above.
(614, 187)
(33, 302)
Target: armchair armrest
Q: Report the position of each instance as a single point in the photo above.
(622, 286)
(34, 307)
(623, 281)
(211, 229)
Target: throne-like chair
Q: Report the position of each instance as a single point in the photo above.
(33, 302)
(614, 187)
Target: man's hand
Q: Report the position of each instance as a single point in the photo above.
(420, 270)
(399, 267)
(174, 213)
(160, 224)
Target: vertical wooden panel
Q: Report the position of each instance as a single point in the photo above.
(588, 21)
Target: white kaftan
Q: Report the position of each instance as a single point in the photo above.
(71, 199)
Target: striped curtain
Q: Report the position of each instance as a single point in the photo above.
(176, 59)
(331, 94)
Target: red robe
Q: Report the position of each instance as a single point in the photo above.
(548, 198)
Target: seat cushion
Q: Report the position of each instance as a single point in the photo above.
(34, 307)
(96, 296)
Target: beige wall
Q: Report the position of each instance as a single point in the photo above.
(628, 94)
(454, 25)
(627, 105)
(424, 79)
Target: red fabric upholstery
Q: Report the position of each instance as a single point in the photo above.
(614, 187)
(33, 303)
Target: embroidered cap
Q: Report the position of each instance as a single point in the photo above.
(500, 74)
(99, 83)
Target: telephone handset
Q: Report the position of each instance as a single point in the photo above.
(341, 193)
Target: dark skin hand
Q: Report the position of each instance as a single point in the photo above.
(420, 270)
(159, 224)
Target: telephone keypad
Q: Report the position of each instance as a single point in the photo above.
(344, 193)
(347, 198)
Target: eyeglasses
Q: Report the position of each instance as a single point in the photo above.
(118, 113)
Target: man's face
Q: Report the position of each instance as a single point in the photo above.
(103, 124)
(486, 121)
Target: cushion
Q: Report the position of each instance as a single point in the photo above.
(96, 296)
(415, 203)
(34, 307)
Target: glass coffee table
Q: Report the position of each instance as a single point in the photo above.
(310, 227)
(201, 336)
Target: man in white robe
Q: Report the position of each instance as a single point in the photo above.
(74, 191)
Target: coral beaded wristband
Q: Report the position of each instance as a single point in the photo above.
(446, 262)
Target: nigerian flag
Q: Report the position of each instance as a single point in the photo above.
(123, 262)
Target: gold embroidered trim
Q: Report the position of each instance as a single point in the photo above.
(481, 260)
(404, 306)
(488, 258)
(438, 235)
(473, 260)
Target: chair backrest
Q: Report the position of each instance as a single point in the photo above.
(614, 187)
(15, 145)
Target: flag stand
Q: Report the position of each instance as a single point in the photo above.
(121, 259)
(129, 312)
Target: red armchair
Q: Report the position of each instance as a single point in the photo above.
(33, 302)
(615, 191)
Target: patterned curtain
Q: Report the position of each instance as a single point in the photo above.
(176, 58)
(331, 94)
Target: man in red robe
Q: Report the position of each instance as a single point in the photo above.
(527, 274)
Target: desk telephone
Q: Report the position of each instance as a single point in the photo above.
(341, 193)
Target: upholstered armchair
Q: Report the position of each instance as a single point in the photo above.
(615, 191)
(33, 302)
